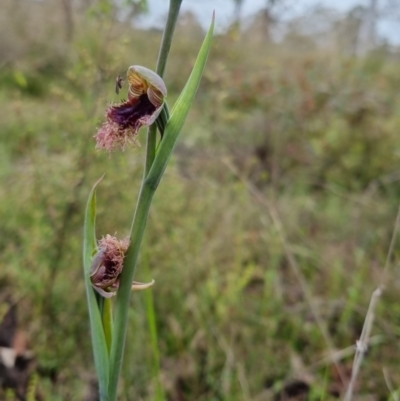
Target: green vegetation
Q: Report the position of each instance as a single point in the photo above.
(308, 138)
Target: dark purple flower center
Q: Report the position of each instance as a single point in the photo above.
(111, 270)
(127, 114)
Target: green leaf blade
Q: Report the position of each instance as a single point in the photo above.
(180, 111)
(101, 358)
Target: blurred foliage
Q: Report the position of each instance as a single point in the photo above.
(313, 133)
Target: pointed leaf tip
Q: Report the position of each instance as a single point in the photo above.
(180, 110)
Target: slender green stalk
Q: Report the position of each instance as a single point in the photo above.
(107, 322)
(124, 291)
(173, 13)
(166, 41)
(150, 148)
(151, 316)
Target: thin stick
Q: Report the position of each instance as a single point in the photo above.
(342, 354)
(363, 342)
(166, 41)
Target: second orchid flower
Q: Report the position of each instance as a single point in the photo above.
(146, 96)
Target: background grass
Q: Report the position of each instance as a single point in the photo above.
(309, 137)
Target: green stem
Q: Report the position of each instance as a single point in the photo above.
(124, 291)
(150, 148)
(107, 322)
(151, 316)
(174, 7)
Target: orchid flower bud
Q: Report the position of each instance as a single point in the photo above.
(146, 95)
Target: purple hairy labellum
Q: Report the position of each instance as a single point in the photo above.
(107, 265)
(146, 96)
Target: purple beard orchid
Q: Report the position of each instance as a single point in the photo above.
(107, 267)
(146, 96)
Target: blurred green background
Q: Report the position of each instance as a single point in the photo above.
(269, 231)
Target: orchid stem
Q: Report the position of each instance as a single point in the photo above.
(174, 7)
(107, 322)
(150, 148)
(124, 291)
